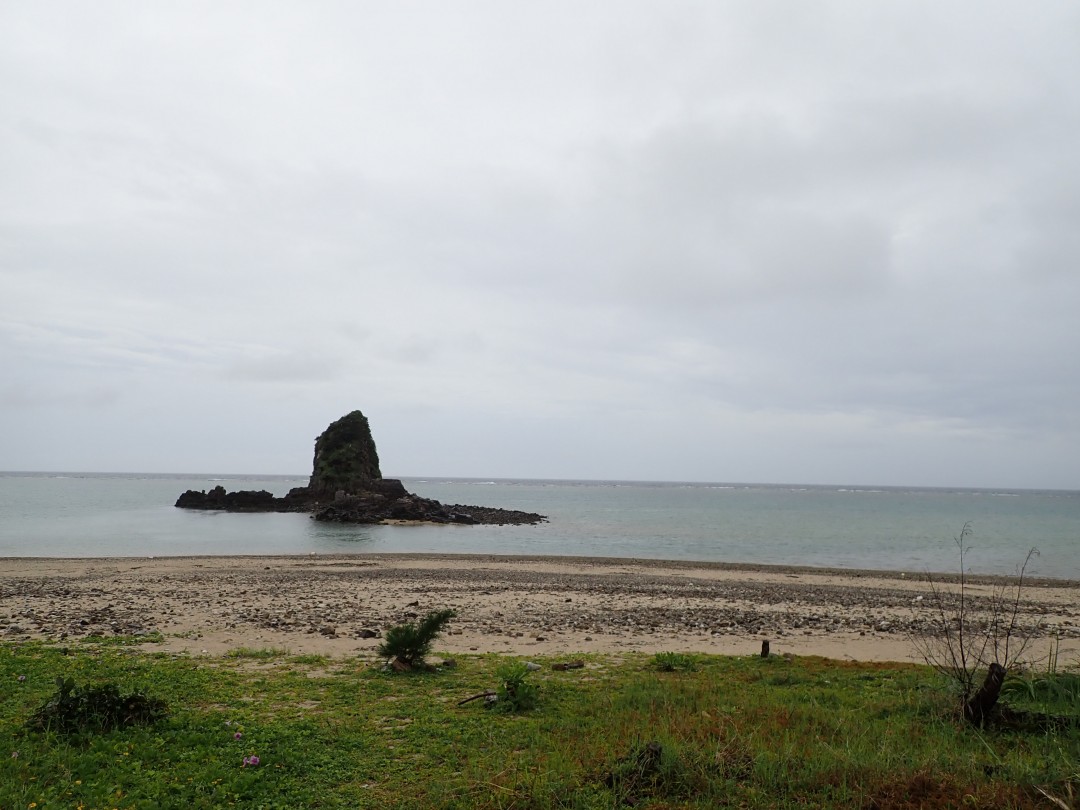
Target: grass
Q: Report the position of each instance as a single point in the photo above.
(734, 732)
(257, 653)
(674, 662)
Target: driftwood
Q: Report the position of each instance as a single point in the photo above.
(487, 693)
(568, 665)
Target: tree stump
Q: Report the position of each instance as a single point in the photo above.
(982, 703)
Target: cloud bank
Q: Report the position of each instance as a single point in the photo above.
(679, 241)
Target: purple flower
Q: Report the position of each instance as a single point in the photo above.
(14, 754)
(237, 735)
(252, 761)
(22, 678)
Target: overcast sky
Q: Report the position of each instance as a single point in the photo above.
(812, 242)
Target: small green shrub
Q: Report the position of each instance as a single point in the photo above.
(408, 644)
(515, 692)
(674, 662)
(95, 709)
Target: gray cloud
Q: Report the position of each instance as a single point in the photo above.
(689, 240)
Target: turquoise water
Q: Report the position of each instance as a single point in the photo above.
(912, 529)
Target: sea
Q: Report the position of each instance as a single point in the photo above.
(853, 527)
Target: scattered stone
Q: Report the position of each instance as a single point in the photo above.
(257, 605)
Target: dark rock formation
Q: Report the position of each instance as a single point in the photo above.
(346, 486)
(345, 457)
(218, 498)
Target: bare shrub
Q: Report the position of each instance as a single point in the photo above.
(975, 641)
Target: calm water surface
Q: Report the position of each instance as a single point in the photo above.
(913, 529)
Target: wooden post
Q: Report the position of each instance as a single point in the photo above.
(765, 649)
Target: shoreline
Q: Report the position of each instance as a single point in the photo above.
(510, 604)
(570, 559)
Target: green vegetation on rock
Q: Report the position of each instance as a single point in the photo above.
(345, 456)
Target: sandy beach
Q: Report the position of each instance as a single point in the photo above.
(336, 605)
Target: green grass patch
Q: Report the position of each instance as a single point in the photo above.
(258, 653)
(733, 732)
(311, 659)
(123, 640)
(674, 662)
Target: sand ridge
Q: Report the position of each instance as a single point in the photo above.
(507, 604)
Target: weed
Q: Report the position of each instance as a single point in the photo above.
(257, 653)
(311, 659)
(95, 709)
(674, 662)
(515, 693)
(653, 771)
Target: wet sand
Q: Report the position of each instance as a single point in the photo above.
(512, 605)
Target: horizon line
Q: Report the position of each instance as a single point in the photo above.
(496, 479)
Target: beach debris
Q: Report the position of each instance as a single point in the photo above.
(565, 665)
(488, 696)
(515, 693)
